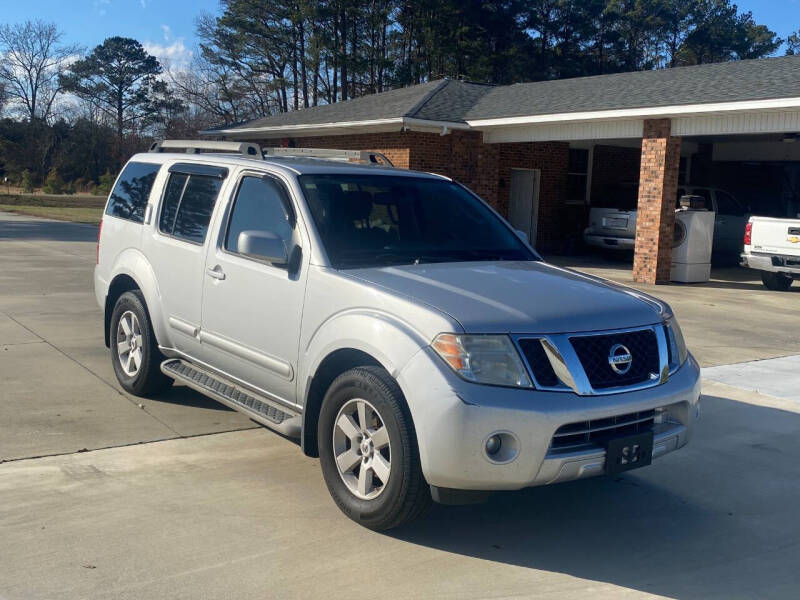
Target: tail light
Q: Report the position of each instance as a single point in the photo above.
(748, 234)
(99, 229)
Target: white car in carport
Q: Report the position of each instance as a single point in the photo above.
(612, 218)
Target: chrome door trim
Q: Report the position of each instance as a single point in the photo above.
(184, 327)
(275, 365)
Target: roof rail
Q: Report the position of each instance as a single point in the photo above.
(364, 156)
(196, 146)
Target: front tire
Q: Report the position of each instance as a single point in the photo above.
(368, 450)
(777, 282)
(134, 349)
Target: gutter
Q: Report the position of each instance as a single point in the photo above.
(402, 123)
(640, 113)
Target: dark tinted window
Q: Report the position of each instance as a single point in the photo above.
(621, 197)
(370, 220)
(188, 204)
(129, 196)
(172, 197)
(258, 207)
(727, 205)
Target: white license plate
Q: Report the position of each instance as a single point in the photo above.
(612, 223)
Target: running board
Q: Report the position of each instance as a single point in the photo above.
(267, 412)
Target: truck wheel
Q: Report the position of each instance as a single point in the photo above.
(134, 350)
(778, 282)
(368, 450)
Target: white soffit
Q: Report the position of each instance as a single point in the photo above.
(551, 132)
(744, 123)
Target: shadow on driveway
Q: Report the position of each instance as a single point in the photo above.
(716, 519)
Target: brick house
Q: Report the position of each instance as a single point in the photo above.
(539, 151)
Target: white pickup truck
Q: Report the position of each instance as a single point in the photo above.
(772, 246)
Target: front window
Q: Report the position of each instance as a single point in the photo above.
(371, 221)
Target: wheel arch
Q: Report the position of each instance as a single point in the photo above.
(334, 364)
(133, 272)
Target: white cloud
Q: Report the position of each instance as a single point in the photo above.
(175, 56)
(167, 32)
(100, 6)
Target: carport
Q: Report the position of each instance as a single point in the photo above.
(733, 125)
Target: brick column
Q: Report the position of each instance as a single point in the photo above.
(658, 186)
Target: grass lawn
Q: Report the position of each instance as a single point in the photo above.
(79, 209)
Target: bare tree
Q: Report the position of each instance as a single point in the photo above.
(33, 58)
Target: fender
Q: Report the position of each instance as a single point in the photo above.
(389, 340)
(134, 264)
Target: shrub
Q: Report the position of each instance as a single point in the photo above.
(27, 182)
(106, 181)
(53, 184)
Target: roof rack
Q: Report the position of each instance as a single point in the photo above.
(196, 146)
(364, 156)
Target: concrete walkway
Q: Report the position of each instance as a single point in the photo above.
(779, 377)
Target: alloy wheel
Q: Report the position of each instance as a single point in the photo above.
(129, 344)
(361, 448)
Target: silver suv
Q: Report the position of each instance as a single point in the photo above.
(390, 320)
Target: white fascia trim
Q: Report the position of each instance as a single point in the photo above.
(401, 122)
(646, 112)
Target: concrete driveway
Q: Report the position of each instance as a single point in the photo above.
(181, 498)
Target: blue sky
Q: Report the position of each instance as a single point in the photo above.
(166, 27)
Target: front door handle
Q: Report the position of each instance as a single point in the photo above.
(215, 272)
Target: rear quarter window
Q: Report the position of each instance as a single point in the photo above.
(129, 197)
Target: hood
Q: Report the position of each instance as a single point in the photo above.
(518, 297)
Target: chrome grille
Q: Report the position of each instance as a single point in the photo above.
(539, 364)
(593, 352)
(592, 434)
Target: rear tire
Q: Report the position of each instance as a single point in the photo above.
(778, 282)
(377, 480)
(134, 349)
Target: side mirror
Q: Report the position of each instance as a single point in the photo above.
(523, 236)
(263, 245)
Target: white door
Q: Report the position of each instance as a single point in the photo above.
(523, 207)
(252, 310)
(176, 247)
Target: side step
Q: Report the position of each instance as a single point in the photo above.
(257, 407)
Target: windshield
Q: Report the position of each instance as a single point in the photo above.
(379, 220)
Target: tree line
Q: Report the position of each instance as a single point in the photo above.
(72, 115)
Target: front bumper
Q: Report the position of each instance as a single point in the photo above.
(453, 418)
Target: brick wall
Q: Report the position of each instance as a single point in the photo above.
(484, 168)
(658, 184)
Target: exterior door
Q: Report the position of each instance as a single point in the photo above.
(730, 221)
(523, 208)
(176, 247)
(252, 310)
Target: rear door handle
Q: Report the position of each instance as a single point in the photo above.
(215, 272)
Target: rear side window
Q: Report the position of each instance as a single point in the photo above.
(129, 197)
(188, 203)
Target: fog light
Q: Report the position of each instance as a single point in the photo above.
(493, 445)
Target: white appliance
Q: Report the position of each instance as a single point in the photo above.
(691, 248)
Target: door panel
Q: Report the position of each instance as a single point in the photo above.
(252, 311)
(523, 209)
(178, 258)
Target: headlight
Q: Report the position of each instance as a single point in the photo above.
(676, 346)
(488, 359)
